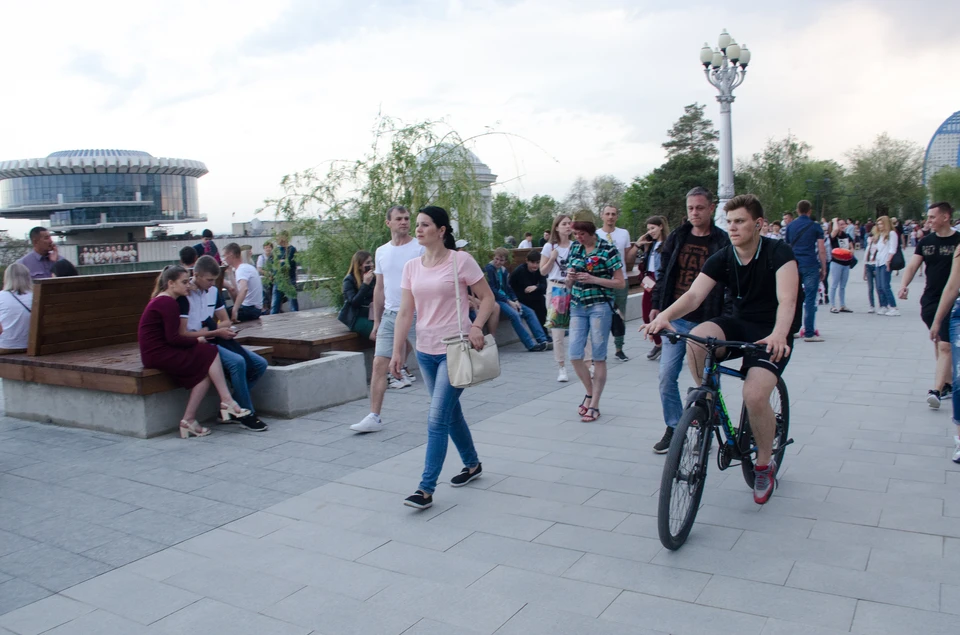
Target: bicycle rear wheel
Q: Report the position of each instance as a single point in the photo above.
(781, 411)
(684, 472)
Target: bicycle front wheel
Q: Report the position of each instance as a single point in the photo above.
(684, 472)
(780, 403)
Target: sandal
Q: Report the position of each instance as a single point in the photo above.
(844, 309)
(592, 414)
(192, 429)
(834, 309)
(582, 408)
(232, 411)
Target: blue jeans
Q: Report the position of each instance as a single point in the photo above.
(811, 285)
(517, 318)
(242, 375)
(671, 363)
(593, 320)
(871, 273)
(276, 301)
(840, 274)
(955, 344)
(884, 293)
(445, 418)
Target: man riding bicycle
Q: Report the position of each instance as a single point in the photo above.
(761, 276)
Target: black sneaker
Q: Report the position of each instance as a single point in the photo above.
(420, 500)
(664, 444)
(933, 399)
(621, 356)
(538, 348)
(253, 423)
(947, 392)
(654, 353)
(465, 476)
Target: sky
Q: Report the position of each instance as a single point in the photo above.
(257, 90)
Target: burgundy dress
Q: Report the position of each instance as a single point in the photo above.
(162, 347)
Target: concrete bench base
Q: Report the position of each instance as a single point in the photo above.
(290, 391)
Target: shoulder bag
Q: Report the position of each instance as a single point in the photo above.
(467, 366)
(898, 262)
(19, 301)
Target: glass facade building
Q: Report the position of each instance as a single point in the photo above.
(943, 149)
(101, 188)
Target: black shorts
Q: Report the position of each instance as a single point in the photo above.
(927, 313)
(737, 330)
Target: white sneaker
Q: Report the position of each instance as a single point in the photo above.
(882, 310)
(370, 423)
(871, 310)
(956, 455)
(407, 376)
(562, 375)
(894, 312)
(396, 384)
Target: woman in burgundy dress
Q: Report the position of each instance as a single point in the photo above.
(189, 362)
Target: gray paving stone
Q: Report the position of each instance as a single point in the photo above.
(333, 613)
(837, 554)
(163, 564)
(409, 529)
(426, 563)
(600, 542)
(886, 619)
(158, 527)
(548, 591)
(101, 623)
(432, 627)
(715, 536)
(210, 616)
(516, 553)
(763, 566)
(637, 576)
(245, 589)
(10, 542)
(241, 495)
(950, 599)
(775, 626)
(258, 524)
(864, 585)
(49, 567)
(15, 593)
(679, 618)
(70, 534)
(123, 550)
(770, 523)
(888, 539)
(339, 543)
(131, 596)
(538, 620)
(43, 615)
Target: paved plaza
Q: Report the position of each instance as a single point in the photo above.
(302, 529)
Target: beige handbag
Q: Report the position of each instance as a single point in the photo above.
(467, 366)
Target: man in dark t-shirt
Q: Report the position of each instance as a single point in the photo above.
(936, 252)
(761, 276)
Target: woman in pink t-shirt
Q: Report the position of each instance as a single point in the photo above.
(428, 288)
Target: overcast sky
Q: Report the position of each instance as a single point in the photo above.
(259, 89)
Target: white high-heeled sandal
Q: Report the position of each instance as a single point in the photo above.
(192, 429)
(232, 411)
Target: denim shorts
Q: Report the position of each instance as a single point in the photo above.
(384, 342)
(593, 320)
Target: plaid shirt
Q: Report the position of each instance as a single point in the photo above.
(602, 262)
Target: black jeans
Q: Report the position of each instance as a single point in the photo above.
(248, 313)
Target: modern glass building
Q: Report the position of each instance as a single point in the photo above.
(943, 149)
(85, 190)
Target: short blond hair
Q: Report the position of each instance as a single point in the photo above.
(502, 252)
(17, 279)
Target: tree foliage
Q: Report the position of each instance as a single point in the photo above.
(692, 134)
(945, 186)
(343, 210)
(888, 175)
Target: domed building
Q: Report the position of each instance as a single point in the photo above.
(943, 149)
(101, 195)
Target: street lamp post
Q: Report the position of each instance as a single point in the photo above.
(725, 68)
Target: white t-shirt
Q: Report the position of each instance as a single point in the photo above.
(261, 261)
(558, 272)
(620, 238)
(254, 295)
(203, 304)
(390, 260)
(525, 244)
(15, 319)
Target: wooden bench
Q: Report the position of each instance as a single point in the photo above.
(301, 335)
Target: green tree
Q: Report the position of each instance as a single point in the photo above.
(667, 185)
(343, 210)
(607, 190)
(776, 174)
(636, 205)
(692, 134)
(945, 186)
(509, 215)
(541, 210)
(888, 174)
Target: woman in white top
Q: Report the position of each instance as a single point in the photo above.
(651, 246)
(553, 263)
(887, 243)
(15, 302)
(870, 268)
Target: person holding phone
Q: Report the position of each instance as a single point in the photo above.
(650, 247)
(39, 261)
(358, 287)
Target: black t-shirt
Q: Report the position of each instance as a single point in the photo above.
(691, 257)
(841, 241)
(754, 286)
(938, 256)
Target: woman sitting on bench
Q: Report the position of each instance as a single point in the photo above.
(15, 303)
(189, 362)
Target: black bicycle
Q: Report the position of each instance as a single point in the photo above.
(705, 416)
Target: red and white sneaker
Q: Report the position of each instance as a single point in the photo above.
(764, 481)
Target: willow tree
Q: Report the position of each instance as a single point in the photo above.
(343, 210)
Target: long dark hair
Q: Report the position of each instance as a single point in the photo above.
(356, 266)
(169, 274)
(440, 218)
(664, 225)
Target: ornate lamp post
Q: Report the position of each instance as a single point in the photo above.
(725, 68)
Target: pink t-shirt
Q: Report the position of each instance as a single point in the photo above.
(435, 298)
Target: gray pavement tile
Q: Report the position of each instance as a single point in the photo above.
(837, 554)
(776, 626)
(15, 593)
(241, 495)
(807, 607)
(308, 451)
(516, 553)
(163, 564)
(296, 485)
(925, 506)
(652, 579)
(764, 566)
(943, 570)
(339, 543)
(549, 591)
(621, 502)
(889, 539)
(176, 480)
(426, 563)
(10, 542)
(101, 623)
(258, 524)
(679, 618)
(715, 536)
(950, 599)
(643, 480)
(900, 448)
(907, 520)
(216, 514)
(600, 542)
(411, 530)
(246, 589)
(131, 596)
(123, 550)
(866, 585)
(368, 499)
(813, 476)
(312, 469)
(315, 511)
(43, 615)
(770, 523)
(332, 613)
(543, 490)
(70, 534)
(432, 627)
(491, 522)
(158, 527)
(885, 619)
(10, 462)
(49, 567)
(900, 472)
(860, 513)
(210, 616)
(538, 620)
(586, 463)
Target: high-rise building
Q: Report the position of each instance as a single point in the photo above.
(943, 149)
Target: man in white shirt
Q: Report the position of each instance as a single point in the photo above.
(527, 242)
(620, 238)
(248, 295)
(389, 261)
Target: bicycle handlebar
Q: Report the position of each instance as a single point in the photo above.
(712, 343)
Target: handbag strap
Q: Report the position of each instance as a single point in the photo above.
(19, 301)
(456, 286)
